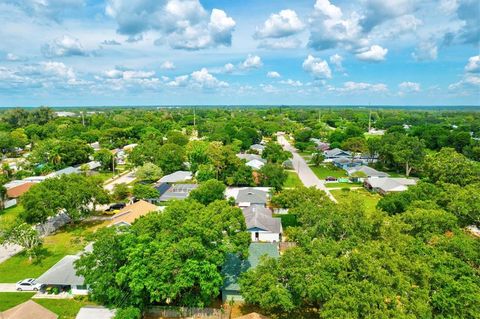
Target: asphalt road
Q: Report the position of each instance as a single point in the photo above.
(305, 173)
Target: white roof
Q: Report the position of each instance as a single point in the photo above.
(256, 164)
(178, 176)
(90, 312)
(391, 184)
(14, 183)
(369, 172)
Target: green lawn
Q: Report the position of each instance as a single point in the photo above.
(288, 220)
(342, 185)
(103, 176)
(11, 299)
(8, 216)
(292, 180)
(64, 308)
(323, 171)
(370, 200)
(68, 241)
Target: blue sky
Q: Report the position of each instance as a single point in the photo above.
(158, 52)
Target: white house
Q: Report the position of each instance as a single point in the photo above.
(255, 164)
(261, 225)
(366, 171)
(389, 184)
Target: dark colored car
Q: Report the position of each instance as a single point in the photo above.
(115, 207)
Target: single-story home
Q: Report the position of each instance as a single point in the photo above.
(19, 189)
(261, 225)
(250, 157)
(336, 153)
(92, 165)
(388, 184)
(176, 177)
(360, 173)
(234, 266)
(28, 310)
(127, 215)
(251, 196)
(35, 179)
(255, 164)
(64, 276)
(257, 147)
(65, 171)
(95, 312)
(177, 191)
(129, 147)
(346, 162)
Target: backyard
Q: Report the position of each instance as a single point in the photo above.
(370, 200)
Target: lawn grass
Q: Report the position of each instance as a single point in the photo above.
(11, 299)
(323, 171)
(292, 180)
(342, 185)
(288, 220)
(68, 241)
(103, 176)
(64, 308)
(9, 215)
(370, 200)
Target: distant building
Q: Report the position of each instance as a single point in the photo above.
(250, 157)
(388, 184)
(176, 177)
(346, 162)
(255, 164)
(127, 215)
(234, 266)
(177, 191)
(258, 148)
(336, 153)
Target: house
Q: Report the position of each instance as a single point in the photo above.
(251, 196)
(336, 153)
(65, 171)
(250, 157)
(28, 310)
(35, 179)
(64, 276)
(92, 166)
(388, 184)
(13, 193)
(255, 164)
(97, 312)
(258, 148)
(234, 266)
(129, 147)
(127, 215)
(177, 191)
(360, 173)
(176, 177)
(261, 225)
(65, 114)
(346, 162)
(96, 146)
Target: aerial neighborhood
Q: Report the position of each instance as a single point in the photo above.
(262, 213)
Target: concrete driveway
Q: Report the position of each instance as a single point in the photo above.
(125, 179)
(305, 173)
(8, 250)
(8, 288)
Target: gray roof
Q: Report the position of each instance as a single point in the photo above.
(368, 171)
(251, 195)
(62, 273)
(336, 152)
(346, 160)
(90, 312)
(234, 266)
(178, 191)
(178, 176)
(259, 147)
(65, 171)
(257, 216)
(250, 157)
(391, 184)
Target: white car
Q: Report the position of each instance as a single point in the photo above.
(28, 284)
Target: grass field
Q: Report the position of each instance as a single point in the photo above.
(11, 299)
(68, 241)
(342, 185)
(8, 216)
(370, 200)
(64, 308)
(292, 180)
(326, 170)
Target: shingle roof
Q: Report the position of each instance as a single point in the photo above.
(178, 191)
(130, 213)
(249, 157)
(28, 310)
(178, 176)
(260, 217)
(62, 273)
(336, 152)
(370, 172)
(19, 190)
(251, 195)
(234, 266)
(256, 164)
(391, 184)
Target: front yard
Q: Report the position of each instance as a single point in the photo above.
(11, 299)
(342, 185)
(70, 240)
(370, 200)
(325, 170)
(9, 215)
(292, 180)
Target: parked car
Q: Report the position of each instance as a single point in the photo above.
(331, 179)
(115, 206)
(28, 284)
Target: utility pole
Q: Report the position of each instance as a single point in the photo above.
(83, 118)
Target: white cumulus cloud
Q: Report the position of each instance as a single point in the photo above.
(252, 62)
(273, 75)
(473, 65)
(409, 87)
(167, 65)
(373, 54)
(63, 46)
(317, 67)
(278, 25)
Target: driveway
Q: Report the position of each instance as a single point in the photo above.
(8, 250)
(305, 173)
(8, 288)
(125, 179)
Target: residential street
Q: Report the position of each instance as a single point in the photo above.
(305, 173)
(7, 251)
(126, 179)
